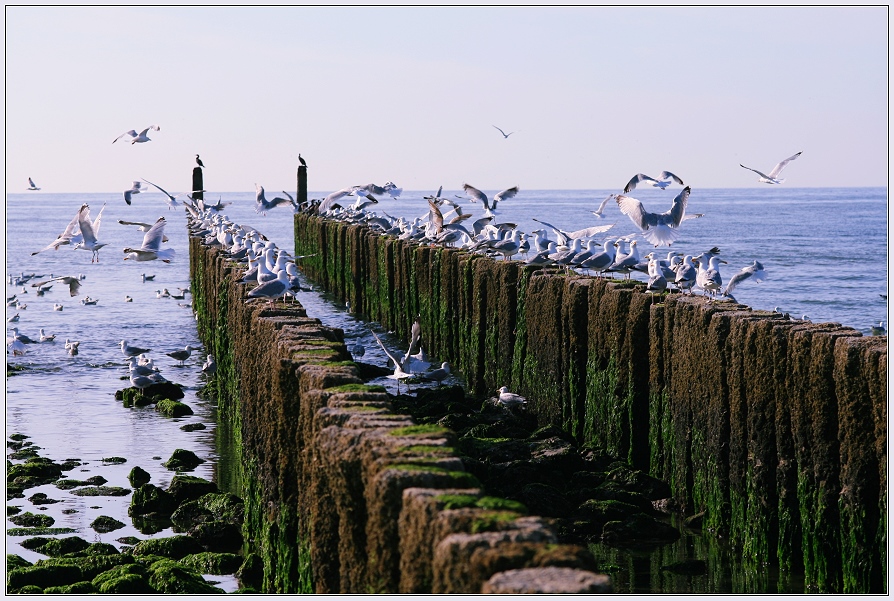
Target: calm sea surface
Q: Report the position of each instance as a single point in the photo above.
(824, 250)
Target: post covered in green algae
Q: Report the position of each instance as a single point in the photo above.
(773, 428)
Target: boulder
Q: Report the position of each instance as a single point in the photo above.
(183, 460)
(213, 563)
(174, 547)
(190, 488)
(217, 536)
(149, 499)
(138, 477)
(171, 577)
(105, 523)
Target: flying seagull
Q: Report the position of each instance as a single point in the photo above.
(198, 162)
(32, 185)
(64, 238)
(89, 232)
(172, 200)
(143, 227)
(755, 270)
(73, 283)
(663, 182)
(773, 177)
(137, 137)
(134, 189)
(658, 228)
(477, 195)
(263, 205)
(505, 135)
(151, 248)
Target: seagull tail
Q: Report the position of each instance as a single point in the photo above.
(661, 235)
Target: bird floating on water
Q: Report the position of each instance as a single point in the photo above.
(32, 185)
(138, 137)
(773, 176)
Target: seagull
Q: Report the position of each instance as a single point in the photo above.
(46, 337)
(658, 228)
(134, 189)
(199, 162)
(32, 185)
(147, 278)
(273, 288)
(566, 237)
(510, 399)
(72, 346)
(162, 294)
(128, 299)
(879, 330)
(210, 366)
(663, 182)
(138, 137)
(183, 355)
(505, 135)
(437, 375)
(143, 227)
(755, 270)
(263, 205)
(21, 337)
(151, 248)
(71, 230)
(89, 301)
(358, 350)
(172, 200)
(773, 177)
(90, 230)
(598, 212)
(57, 306)
(132, 351)
(73, 283)
(477, 195)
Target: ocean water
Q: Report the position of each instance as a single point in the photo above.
(824, 250)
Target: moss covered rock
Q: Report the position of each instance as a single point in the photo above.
(16, 561)
(29, 519)
(189, 515)
(190, 488)
(105, 523)
(101, 491)
(639, 482)
(149, 499)
(225, 507)
(13, 510)
(58, 547)
(217, 536)
(34, 472)
(43, 576)
(213, 563)
(251, 572)
(100, 549)
(172, 577)
(83, 587)
(183, 460)
(68, 484)
(29, 589)
(639, 528)
(124, 579)
(174, 547)
(138, 477)
(171, 408)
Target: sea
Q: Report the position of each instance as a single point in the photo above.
(824, 250)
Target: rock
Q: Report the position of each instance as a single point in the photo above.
(182, 460)
(32, 519)
(138, 477)
(43, 576)
(171, 577)
(174, 547)
(101, 491)
(602, 512)
(543, 499)
(35, 543)
(123, 579)
(192, 427)
(213, 563)
(695, 521)
(549, 580)
(190, 514)
(13, 510)
(15, 561)
(190, 488)
(251, 573)
(101, 549)
(154, 393)
(128, 540)
(151, 523)
(494, 450)
(612, 491)
(29, 589)
(34, 472)
(40, 498)
(556, 455)
(217, 536)
(105, 523)
(637, 481)
(170, 408)
(60, 546)
(114, 460)
(149, 499)
(69, 484)
(83, 587)
(639, 528)
(225, 507)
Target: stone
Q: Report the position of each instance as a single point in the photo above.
(101, 491)
(217, 536)
(123, 579)
(151, 499)
(639, 528)
(171, 408)
(40, 498)
(213, 563)
(84, 587)
(190, 488)
(190, 514)
(16, 561)
(138, 477)
(43, 576)
(183, 460)
(60, 546)
(69, 484)
(637, 481)
(32, 519)
(174, 547)
(105, 523)
(192, 427)
(171, 577)
(549, 580)
(251, 572)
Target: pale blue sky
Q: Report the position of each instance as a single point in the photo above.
(410, 95)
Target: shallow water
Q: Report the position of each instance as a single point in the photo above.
(827, 263)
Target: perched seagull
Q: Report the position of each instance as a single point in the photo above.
(273, 288)
(151, 248)
(90, 230)
(505, 135)
(879, 330)
(134, 189)
(210, 366)
(773, 177)
(477, 195)
(132, 351)
(143, 227)
(658, 228)
(666, 179)
(510, 399)
(199, 162)
(32, 185)
(755, 270)
(73, 283)
(138, 137)
(437, 375)
(263, 205)
(183, 355)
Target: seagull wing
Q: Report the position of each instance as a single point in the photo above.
(668, 175)
(259, 194)
(633, 208)
(85, 224)
(475, 193)
(763, 175)
(590, 231)
(637, 179)
(397, 361)
(562, 236)
(501, 131)
(132, 133)
(602, 205)
(153, 238)
(162, 190)
(415, 339)
(780, 166)
(145, 225)
(436, 218)
(505, 195)
(740, 277)
(675, 215)
(98, 221)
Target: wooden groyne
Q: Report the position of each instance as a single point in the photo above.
(342, 494)
(775, 429)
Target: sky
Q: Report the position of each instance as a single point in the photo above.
(412, 95)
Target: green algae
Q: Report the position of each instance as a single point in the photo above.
(354, 387)
(421, 430)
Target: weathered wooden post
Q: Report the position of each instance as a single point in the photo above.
(301, 197)
(197, 183)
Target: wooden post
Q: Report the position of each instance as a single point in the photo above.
(197, 183)
(301, 197)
